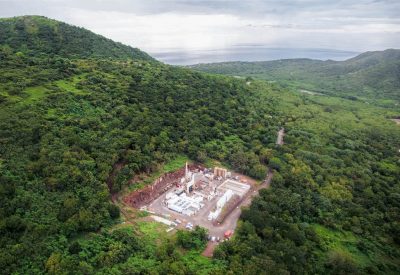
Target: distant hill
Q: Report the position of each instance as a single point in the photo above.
(84, 121)
(371, 74)
(72, 104)
(39, 36)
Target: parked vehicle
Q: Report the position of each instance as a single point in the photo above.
(189, 226)
(228, 234)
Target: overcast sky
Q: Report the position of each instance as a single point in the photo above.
(154, 26)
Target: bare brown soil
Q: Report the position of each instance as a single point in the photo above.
(144, 196)
(152, 193)
(209, 251)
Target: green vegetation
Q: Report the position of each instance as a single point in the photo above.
(341, 242)
(152, 231)
(171, 165)
(372, 75)
(332, 207)
(137, 251)
(65, 122)
(175, 164)
(68, 118)
(38, 36)
(195, 239)
(35, 93)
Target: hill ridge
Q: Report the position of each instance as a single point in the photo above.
(36, 35)
(374, 74)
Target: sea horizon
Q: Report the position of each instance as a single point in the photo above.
(248, 53)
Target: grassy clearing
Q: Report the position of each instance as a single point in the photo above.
(175, 164)
(212, 163)
(51, 113)
(152, 231)
(201, 264)
(69, 85)
(35, 94)
(342, 241)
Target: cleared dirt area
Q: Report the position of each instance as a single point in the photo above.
(231, 221)
(159, 207)
(153, 198)
(309, 92)
(234, 216)
(147, 194)
(396, 120)
(281, 134)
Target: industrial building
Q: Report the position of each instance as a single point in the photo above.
(188, 180)
(237, 187)
(198, 188)
(220, 205)
(183, 200)
(220, 172)
(183, 204)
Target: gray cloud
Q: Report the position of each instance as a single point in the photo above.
(160, 25)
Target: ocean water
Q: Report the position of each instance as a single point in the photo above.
(248, 53)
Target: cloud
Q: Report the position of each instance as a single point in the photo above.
(163, 31)
(182, 24)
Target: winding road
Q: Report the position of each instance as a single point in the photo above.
(231, 220)
(281, 134)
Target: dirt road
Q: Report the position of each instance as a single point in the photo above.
(281, 134)
(230, 221)
(396, 120)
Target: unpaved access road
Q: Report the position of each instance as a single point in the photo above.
(396, 120)
(230, 221)
(281, 134)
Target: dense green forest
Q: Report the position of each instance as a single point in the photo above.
(333, 206)
(37, 36)
(65, 122)
(68, 113)
(374, 75)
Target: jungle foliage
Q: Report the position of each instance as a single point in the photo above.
(332, 207)
(66, 118)
(371, 75)
(39, 36)
(66, 121)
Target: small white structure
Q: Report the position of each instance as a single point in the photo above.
(235, 186)
(224, 199)
(162, 220)
(188, 180)
(179, 199)
(184, 204)
(220, 204)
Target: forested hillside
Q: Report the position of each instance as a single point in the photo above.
(368, 75)
(333, 206)
(65, 120)
(36, 36)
